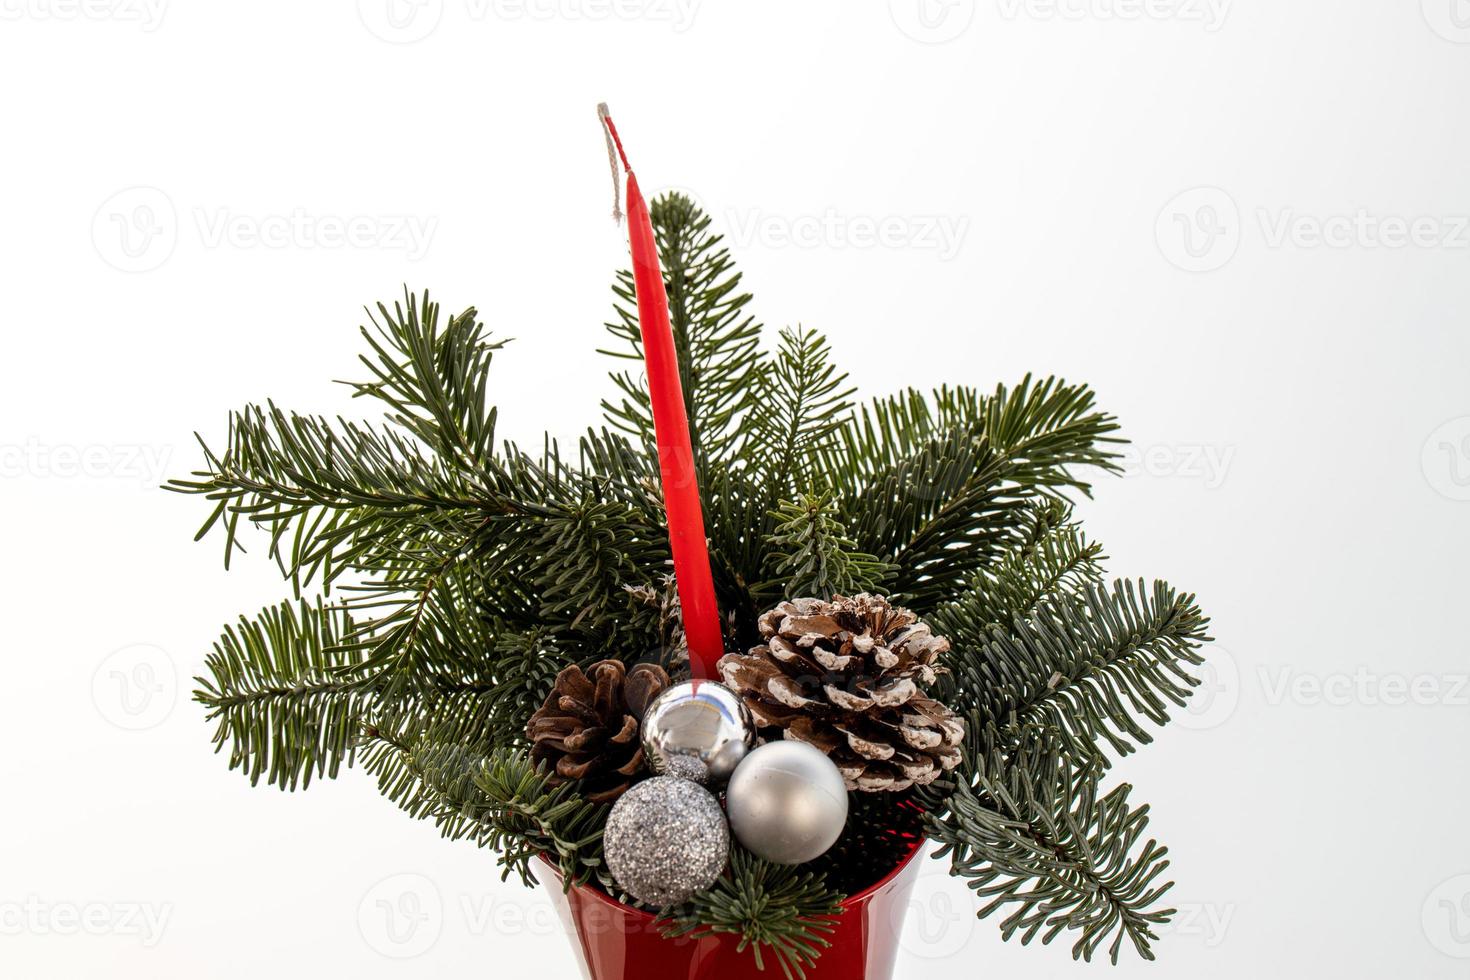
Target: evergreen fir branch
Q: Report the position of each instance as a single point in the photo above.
(499, 800)
(656, 613)
(422, 600)
(799, 403)
(1052, 554)
(427, 777)
(1036, 839)
(1047, 423)
(717, 341)
(524, 670)
(339, 490)
(588, 554)
(340, 493)
(434, 383)
(276, 698)
(478, 690)
(812, 555)
(526, 817)
(936, 486)
(290, 699)
(1094, 664)
(775, 909)
(627, 473)
(738, 518)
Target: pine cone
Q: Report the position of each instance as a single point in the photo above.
(847, 676)
(588, 726)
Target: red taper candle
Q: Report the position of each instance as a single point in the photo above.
(671, 429)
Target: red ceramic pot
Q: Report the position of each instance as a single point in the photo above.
(618, 942)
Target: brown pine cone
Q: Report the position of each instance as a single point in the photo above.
(587, 729)
(847, 676)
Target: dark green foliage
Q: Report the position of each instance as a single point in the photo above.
(442, 579)
(814, 555)
(499, 800)
(278, 699)
(1038, 840)
(1051, 554)
(937, 487)
(718, 343)
(1094, 663)
(780, 910)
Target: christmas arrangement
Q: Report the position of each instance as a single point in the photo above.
(734, 657)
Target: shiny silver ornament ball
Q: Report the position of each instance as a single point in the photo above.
(787, 802)
(699, 730)
(666, 838)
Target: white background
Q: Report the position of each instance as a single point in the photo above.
(1244, 223)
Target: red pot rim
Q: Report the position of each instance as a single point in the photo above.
(851, 900)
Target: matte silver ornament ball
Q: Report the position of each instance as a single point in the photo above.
(699, 730)
(787, 802)
(665, 839)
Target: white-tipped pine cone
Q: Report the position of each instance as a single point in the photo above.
(848, 676)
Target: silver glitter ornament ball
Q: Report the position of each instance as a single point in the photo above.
(666, 838)
(787, 802)
(699, 730)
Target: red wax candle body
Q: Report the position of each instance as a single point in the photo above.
(675, 454)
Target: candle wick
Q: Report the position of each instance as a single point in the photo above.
(613, 152)
(612, 132)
